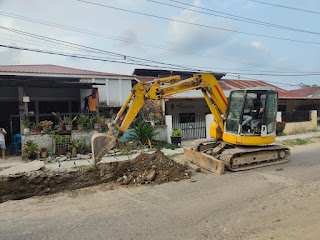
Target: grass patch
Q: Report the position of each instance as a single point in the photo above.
(297, 141)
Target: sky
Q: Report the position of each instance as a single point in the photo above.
(167, 37)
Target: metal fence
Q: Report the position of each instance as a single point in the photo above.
(190, 130)
(297, 116)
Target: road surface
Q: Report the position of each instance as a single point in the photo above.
(275, 202)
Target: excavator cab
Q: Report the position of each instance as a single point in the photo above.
(251, 112)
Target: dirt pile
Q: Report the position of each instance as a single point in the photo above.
(153, 168)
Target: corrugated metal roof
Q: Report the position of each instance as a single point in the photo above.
(230, 84)
(52, 69)
(307, 92)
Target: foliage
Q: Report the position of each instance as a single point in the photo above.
(297, 141)
(58, 116)
(176, 133)
(280, 127)
(102, 120)
(83, 147)
(82, 119)
(153, 117)
(26, 124)
(91, 122)
(302, 85)
(68, 121)
(30, 148)
(46, 123)
(53, 130)
(143, 133)
(74, 144)
(35, 126)
(61, 138)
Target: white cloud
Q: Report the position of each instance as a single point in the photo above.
(194, 38)
(257, 44)
(197, 3)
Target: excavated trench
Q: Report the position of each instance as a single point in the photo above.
(150, 169)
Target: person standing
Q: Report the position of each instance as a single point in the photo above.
(3, 142)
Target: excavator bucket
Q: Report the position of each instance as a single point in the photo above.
(101, 143)
(205, 161)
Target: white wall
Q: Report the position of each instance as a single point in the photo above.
(113, 93)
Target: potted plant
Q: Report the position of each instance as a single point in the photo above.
(61, 123)
(46, 125)
(96, 124)
(26, 125)
(176, 136)
(68, 122)
(31, 149)
(91, 123)
(73, 146)
(81, 121)
(61, 141)
(102, 121)
(35, 127)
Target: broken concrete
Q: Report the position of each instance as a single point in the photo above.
(22, 168)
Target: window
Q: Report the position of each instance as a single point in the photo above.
(234, 111)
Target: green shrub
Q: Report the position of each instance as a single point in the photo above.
(280, 127)
(176, 133)
(143, 133)
(82, 119)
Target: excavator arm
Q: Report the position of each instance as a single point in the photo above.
(157, 90)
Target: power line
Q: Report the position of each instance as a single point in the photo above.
(287, 7)
(131, 58)
(198, 24)
(180, 67)
(232, 17)
(122, 39)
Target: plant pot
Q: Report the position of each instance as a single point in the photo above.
(32, 156)
(26, 130)
(176, 140)
(35, 131)
(45, 129)
(80, 127)
(63, 151)
(59, 128)
(96, 126)
(68, 127)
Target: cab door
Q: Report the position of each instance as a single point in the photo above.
(270, 114)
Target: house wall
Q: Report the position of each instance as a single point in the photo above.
(299, 104)
(113, 94)
(300, 127)
(176, 106)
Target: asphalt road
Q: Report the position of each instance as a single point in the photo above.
(275, 202)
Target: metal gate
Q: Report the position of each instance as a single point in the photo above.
(192, 126)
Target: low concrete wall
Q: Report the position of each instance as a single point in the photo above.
(84, 136)
(42, 140)
(47, 140)
(300, 127)
(162, 133)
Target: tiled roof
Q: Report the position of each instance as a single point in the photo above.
(52, 69)
(308, 92)
(229, 84)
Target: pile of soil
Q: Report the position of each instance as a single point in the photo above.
(151, 169)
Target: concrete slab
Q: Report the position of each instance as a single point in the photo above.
(25, 167)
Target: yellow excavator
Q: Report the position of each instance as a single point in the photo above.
(243, 129)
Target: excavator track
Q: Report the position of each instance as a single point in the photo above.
(237, 158)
